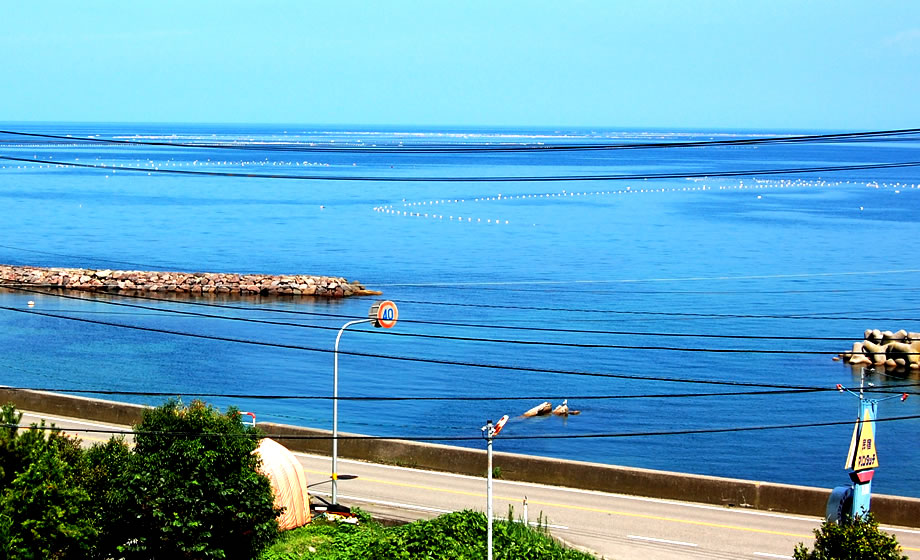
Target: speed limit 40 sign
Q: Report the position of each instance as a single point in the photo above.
(384, 314)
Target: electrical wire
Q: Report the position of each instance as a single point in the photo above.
(504, 436)
(510, 284)
(664, 313)
(427, 360)
(476, 179)
(883, 135)
(82, 257)
(22, 287)
(311, 349)
(515, 286)
(447, 337)
(800, 390)
(628, 292)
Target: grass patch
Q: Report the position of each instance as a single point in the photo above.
(459, 535)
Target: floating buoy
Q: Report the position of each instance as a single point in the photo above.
(31, 303)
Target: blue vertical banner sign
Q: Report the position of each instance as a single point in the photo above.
(862, 459)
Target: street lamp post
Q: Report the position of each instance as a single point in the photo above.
(335, 410)
(862, 459)
(489, 431)
(382, 314)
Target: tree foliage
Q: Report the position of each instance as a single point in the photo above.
(855, 539)
(42, 504)
(189, 489)
(192, 489)
(453, 536)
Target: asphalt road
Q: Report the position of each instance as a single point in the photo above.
(611, 525)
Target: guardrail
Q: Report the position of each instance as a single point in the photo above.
(729, 492)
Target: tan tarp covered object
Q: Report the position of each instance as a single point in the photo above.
(289, 483)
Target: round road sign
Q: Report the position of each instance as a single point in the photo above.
(387, 314)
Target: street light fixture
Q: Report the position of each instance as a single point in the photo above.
(382, 314)
(489, 431)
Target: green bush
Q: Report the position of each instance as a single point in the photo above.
(42, 503)
(102, 479)
(455, 536)
(855, 539)
(191, 488)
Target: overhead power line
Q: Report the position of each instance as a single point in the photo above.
(474, 179)
(406, 358)
(438, 398)
(438, 361)
(663, 313)
(81, 257)
(447, 337)
(416, 148)
(515, 286)
(46, 291)
(494, 397)
(511, 284)
(505, 435)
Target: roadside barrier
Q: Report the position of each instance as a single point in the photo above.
(729, 492)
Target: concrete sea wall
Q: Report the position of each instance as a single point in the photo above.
(729, 492)
(135, 281)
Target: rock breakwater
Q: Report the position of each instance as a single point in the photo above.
(133, 281)
(885, 348)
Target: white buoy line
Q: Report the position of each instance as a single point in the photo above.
(417, 208)
(436, 216)
(743, 184)
(409, 208)
(155, 165)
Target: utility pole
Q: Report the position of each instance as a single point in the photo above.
(382, 314)
(862, 459)
(489, 432)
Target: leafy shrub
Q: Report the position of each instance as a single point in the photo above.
(855, 539)
(459, 535)
(191, 488)
(42, 504)
(105, 465)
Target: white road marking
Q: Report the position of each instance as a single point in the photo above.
(419, 508)
(665, 541)
(768, 555)
(112, 427)
(578, 490)
(515, 483)
(385, 503)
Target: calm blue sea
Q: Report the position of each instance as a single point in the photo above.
(572, 262)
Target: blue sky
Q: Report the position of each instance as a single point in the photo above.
(673, 64)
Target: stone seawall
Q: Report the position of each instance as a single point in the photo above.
(767, 496)
(136, 281)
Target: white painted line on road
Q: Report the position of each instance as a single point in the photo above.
(576, 490)
(898, 529)
(385, 503)
(511, 482)
(768, 555)
(668, 502)
(81, 422)
(665, 541)
(418, 508)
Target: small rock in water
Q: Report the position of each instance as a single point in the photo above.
(539, 410)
